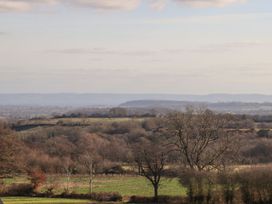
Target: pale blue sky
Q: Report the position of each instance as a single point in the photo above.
(133, 46)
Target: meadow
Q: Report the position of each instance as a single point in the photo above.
(80, 121)
(125, 185)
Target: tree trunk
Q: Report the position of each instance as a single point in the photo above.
(156, 188)
(91, 174)
(91, 185)
(67, 183)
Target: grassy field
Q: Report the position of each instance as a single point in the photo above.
(26, 200)
(125, 185)
(71, 121)
(27, 126)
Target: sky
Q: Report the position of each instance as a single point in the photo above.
(136, 46)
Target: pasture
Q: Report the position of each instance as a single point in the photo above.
(74, 121)
(123, 184)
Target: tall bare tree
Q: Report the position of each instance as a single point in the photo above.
(151, 160)
(202, 138)
(68, 170)
(89, 160)
(90, 145)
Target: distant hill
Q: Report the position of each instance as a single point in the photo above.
(161, 104)
(79, 100)
(36, 105)
(231, 107)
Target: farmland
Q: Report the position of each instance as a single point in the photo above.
(135, 159)
(125, 185)
(72, 122)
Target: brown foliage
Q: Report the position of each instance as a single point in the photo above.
(37, 178)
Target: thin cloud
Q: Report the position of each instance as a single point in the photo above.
(157, 5)
(101, 51)
(250, 44)
(26, 5)
(206, 48)
(230, 46)
(108, 4)
(220, 47)
(208, 19)
(79, 51)
(14, 6)
(209, 3)
(22, 5)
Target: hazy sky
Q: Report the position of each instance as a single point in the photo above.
(136, 46)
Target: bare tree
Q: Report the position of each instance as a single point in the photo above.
(68, 170)
(151, 159)
(90, 145)
(89, 161)
(202, 138)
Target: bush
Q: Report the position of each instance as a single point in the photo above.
(19, 190)
(200, 186)
(256, 186)
(248, 186)
(264, 133)
(106, 197)
(140, 199)
(260, 153)
(117, 169)
(37, 178)
(102, 197)
(161, 199)
(229, 186)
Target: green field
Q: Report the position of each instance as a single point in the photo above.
(125, 185)
(76, 121)
(27, 200)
